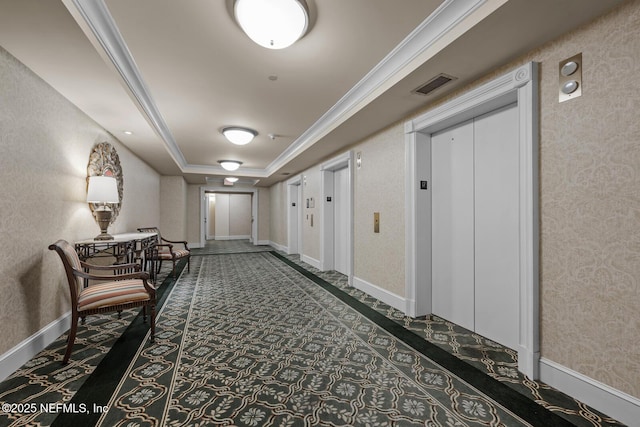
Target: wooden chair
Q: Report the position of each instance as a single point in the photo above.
(120, 292)
(166, 250)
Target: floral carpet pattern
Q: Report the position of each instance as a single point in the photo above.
(243, 340)
(246, 342)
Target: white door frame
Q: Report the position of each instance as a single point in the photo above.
(254, 209)
(294, 221)
(521, 86)
(207, 217)
(342, 161)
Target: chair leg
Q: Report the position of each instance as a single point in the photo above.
(144, 313)
(71, 338)
(152, 315)
(189, 264)
(173, 272)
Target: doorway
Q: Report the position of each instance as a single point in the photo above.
(520, 88)
(294, 216)
(340, 220)
(337, 215)
(474, 175)
(226, 227)
(229, 216)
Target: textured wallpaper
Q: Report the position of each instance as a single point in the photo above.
(45, 143)
(278, 213)
(311, 233)
(264, 214)
(379, 187)
(589, 202)
(173, 202)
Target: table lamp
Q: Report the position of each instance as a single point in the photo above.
(103, 191)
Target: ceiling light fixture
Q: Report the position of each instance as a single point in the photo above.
(231, 179)
(230, 165)
(239, 135)
(274, 24)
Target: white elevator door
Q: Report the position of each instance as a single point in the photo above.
(452, 225)
(340, 219)
(475, 225)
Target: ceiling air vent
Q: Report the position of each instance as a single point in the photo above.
(433, 84)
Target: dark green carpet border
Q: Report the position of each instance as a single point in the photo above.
(103, 381)
(524, 407)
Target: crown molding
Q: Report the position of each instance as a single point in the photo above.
(94, 18)
(99, 26)
(396, 65)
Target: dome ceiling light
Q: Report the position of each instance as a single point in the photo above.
(232, 179)
(274, 24)
(230, 165)
(239, 135)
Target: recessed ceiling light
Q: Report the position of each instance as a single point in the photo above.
(127, 132)
(239, 135)
(230, 165)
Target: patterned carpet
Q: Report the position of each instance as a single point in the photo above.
(262, 339)
(246, 341)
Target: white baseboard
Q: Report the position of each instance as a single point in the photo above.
(383, 295)
(311, 261)
(606, 399)
(235, 237)
(279, 247)
(13, 359)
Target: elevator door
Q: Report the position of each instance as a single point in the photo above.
(475, 225)
(341, 219)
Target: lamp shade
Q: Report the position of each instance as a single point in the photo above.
(230, 165)
(102, 189)
(274, 24)
(239, 135)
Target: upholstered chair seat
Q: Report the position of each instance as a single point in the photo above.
(114, 293)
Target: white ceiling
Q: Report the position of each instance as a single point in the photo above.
(175, 72)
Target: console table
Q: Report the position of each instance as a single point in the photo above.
(125, 248)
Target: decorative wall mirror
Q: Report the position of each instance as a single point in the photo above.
(104, 161)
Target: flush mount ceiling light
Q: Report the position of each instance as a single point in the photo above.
(274, 24)
(230, 165)
(239, 135)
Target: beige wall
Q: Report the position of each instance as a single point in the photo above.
(45, 144)
(173, 207)
(211, 220)
(233, 215)
(240, 214)
(264, 217)
(222, 217)
(379, 187)
(590, 203)
(278, 213)
(194, 207)
(589, 197)
(310, 216)
(193, 214)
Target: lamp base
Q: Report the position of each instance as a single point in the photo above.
(103, 236)
(103, 216)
